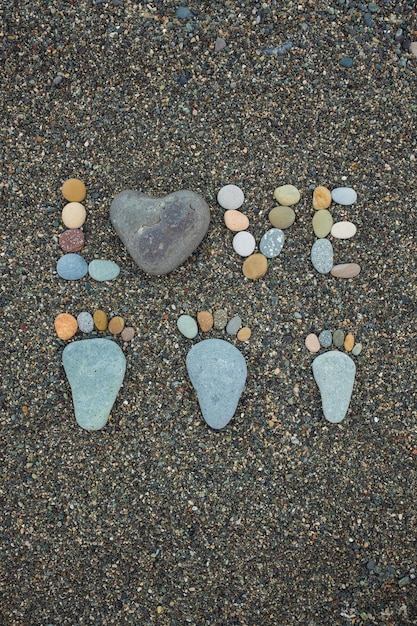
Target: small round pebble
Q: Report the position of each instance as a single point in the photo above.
(343, 230)
(287, 195)
(187, 326)
(128, 333)
(325, 338)
(220, 319)
(338, 338)
(272, 243)
(346, 62)
(312, 343)
(282, 217)
(72, 240)
(322, 223)
(116, 325)
(349, 342)
(71, 267)
(322, 256)
(235, 220)
(234, 325)
(74, 215)
(65, 326)
(205, 321)
(255, 266)
(357, 349)
(85, 322)
(74, 190)
(100, 320)
(244, 243)
(244, 333)
(322, 198)
(230, 197)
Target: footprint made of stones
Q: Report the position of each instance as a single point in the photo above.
(217, 369)
(334, 371)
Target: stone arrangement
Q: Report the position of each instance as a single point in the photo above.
(66, 325)
(189, 327)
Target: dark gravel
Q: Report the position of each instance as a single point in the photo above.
(282, 518)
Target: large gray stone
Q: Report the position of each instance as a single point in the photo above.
(160, 233)
(218, 372)
(95, 369)
(334, 373)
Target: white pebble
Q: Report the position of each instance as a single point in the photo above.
(344, 195)
(230, 197)
(244, 243)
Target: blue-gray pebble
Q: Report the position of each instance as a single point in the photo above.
(346, 62)
(234, 325)
(71, 267)
(187, 326)
(322, 256)
(85, 322)
(334, 373)
(218, 371)
(272, 242)
(325, 338)
(102, 270)
(183, 13)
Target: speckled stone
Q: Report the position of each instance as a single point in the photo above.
(234, 325)
(103, 270)
(322, 198)
(338, 338)
(71, 267)
(220, 319)
(325, 338)
(322, 223)
(334, 373)
(230, 197)
(255, 266)
(128, 333)
(272, 243)
(85, 322)
(322, 256)
(282, 217)
(344, 195)
(346, 270)
(187, 326)
(72, 240)
(287, 195)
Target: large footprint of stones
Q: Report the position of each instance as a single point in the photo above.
(334, 371)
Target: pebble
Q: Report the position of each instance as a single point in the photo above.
(255, 266)
(346, 270)
(244, 243)
(95, 369)
(234, 325)
(217, 371)
(128, 333)
(272, 243)
(116, 325)
(344, 195)
(220, 319)
(85, 322)
(74, 190)
(100, 320)
(325, 338)
(244, 334)
(65, 326)
(230, 197)
(343, 230)
(205, 321)
(187, 326)
(338, 338)
(413, 48)
(346, 62)
(282, 217)
(160, 233)
(235, 220)
(287, 195)
(322, 198)
(71, 267)
(312, 343)
(219, 44)
(73, 215)
(334, 373)
(349, 342)
(72, 240)
(183, 13)
(322, 256)
(322, 223)
(357, 349)
(102, 270)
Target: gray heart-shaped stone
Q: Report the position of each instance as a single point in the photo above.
(160, 233)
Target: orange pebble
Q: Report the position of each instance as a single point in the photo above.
(65, 326)
(244, 333)
(100, 320)
(349, 342)
(116, 325)
(205, 321)
(74, 190)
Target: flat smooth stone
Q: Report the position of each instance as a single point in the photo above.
(230, 197)
(322, 256)
(235, 220)
(244, 334)
(244, 243)
(65, 326)
(74, 190)
(349, 342)
(287, 195)
(102, 270)
(73, 215)
(234, 325)
(346, 270)
(312, 343)
(322, 198)
(255, 266)
(95, 369)
(160, 233)
(72, 240)
(334, 373)
(205, 321)
(357, 349)
(325, 338)
(322, 223)
(217, 371)
(272, 243)
(116, 325)
(128, 333)
(282, 217)
(85, 322)
(343, 230)
(344, 195)
(100, 320)
(338, 338)
(71, 267)
(187, 326)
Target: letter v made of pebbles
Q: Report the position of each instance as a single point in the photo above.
(95, 369)
(217, 370)
(334, 373)
(160, 233)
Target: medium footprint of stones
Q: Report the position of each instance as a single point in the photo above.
(334, 372)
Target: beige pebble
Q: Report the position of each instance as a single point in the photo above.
(255, 266)
(312, 343)
(287, 195)
(346, 270)
(235, 220)
(73, 215)
(100, 320)
(282, 217)
(322, 223)
(128, 333)
(349, 342)
(74, 190)
(65, 325)
(413, 48)
(244, 333)
(116, 325)
(322, 198)
(205, 319)
(343, 230)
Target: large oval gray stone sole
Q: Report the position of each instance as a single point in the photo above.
(334, 373)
